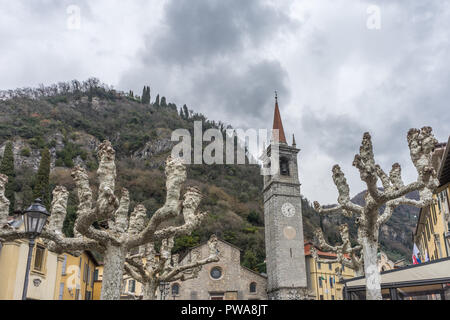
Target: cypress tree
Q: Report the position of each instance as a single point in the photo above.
(157, 101)
(163, 102)
(42, 183)
(144, 92)
(186, 112)
(7, 168)
(148, 95)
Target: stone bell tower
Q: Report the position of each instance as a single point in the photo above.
(285, 255)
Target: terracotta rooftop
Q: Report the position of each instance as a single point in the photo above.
(308, 246)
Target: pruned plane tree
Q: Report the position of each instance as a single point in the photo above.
(151, 269)
(371, 216)
(123, 232)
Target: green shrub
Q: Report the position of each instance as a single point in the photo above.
(25, 152)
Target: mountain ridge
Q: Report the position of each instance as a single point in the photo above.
(71, 119)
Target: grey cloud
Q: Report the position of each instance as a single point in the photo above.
(338, 136)
(198, 31)
(246, 94)
(214, 46)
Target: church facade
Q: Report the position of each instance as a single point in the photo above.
(223, 280)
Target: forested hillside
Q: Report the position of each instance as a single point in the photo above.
(69, 120)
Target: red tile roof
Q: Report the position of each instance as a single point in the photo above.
(320, 253)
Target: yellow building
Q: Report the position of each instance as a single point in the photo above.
(77, 277)
(52, 276)
(432, 235)
(131, 289)
(43, 277)
(322, 278)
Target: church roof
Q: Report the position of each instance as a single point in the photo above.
(277, 123)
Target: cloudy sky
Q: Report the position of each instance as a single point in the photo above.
(340, 69)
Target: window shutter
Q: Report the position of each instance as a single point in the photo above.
(64, 266)
(61, 290)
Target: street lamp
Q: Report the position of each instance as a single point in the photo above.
(34, 219)
(163, 289)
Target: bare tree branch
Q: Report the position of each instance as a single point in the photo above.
(421, 144)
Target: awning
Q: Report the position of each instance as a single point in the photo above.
(429, 273)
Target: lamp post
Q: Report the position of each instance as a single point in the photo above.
(163, 289)
(34, 219)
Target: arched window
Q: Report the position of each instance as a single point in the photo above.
(284, 166)
(253, 287)
(175, 289)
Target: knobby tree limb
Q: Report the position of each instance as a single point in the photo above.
(368, 218)
(122, 233)
(152, 269)
(346, 255)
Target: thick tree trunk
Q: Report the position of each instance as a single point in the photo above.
(149, 290)
(113, 272)
(373, 278)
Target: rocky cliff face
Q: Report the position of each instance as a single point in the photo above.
(27, 155)
(24, 154)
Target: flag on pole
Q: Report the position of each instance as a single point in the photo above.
(415, 255)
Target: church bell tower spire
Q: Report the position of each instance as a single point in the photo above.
(277, 123)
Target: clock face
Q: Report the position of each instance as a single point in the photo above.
(288, 210)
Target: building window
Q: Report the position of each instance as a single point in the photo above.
(321, 297)
(96, 275)
(253, 287)
(175, 289)
(433, 210)
(216, 273)
(330, 266)
(331, 282)
(39, 258)
(85, 271)
(431, 227)
(132, 286)
(77, 294)
(332, 297)
(61, 290)
(320, 282)
(64, 266)
(319, 265)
